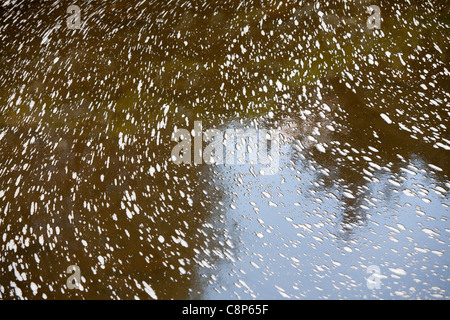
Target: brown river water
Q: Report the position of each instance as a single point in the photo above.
(353, 205)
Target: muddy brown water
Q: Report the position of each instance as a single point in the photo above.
(87, 179)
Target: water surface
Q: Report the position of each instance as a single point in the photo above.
(87, 179)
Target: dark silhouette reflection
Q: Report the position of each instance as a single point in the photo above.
(363, 128)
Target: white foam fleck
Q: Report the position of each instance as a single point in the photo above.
(149, 290)
(398, 271)
(320, 147)
(34, 288)
(386, 118)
